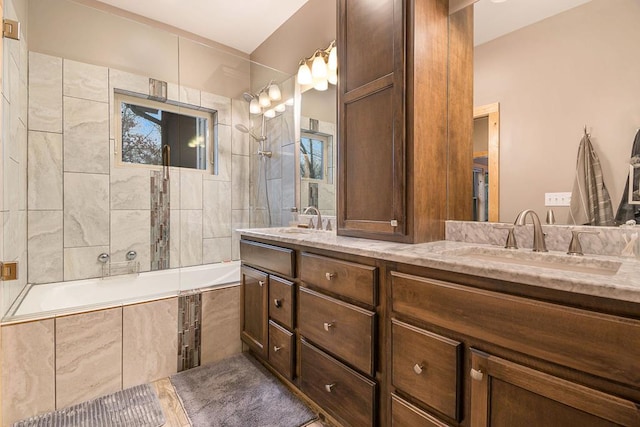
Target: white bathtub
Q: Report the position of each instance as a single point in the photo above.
(67, 297)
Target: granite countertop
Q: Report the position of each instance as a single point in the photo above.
(603, 276)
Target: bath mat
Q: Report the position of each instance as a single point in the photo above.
(136, 407)
(238, 391)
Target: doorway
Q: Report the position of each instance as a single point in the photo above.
(486, 163)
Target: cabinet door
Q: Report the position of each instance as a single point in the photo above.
(254, 306)
(507, 394)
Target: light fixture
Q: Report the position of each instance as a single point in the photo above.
(289, 102)
(254, 106)
(274, 92)
(323, 70)
(280, 108)
(270, 113)
(264, 99)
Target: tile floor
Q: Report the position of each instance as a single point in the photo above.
(175, 415)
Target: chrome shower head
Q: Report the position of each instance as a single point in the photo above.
(247, 96)
(242, 128)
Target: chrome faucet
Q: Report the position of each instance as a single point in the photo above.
(319, 220)
(538, 235)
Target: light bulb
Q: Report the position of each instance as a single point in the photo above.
(319, 67)
(264, 100)
(321, 84)
(274, 92)
(304, 74)
(289, 102)
(254, 106)
(333, 59)
(280, 108)
(270, 113)
(332, 76)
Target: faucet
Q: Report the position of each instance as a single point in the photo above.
(319, 221)
(538, 235)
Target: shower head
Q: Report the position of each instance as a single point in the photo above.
(242, 128)
(247, 96)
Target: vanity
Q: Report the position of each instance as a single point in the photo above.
(443, 333)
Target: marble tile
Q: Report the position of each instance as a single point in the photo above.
(216, 250)
(173, 92)
(190, 189)
(240, 182)
(85, 81)
(240, 219)
(82, 263)
(275, 200)
(88, 356)
(28, 370)
(189, 96)
(45, 92)
(174, 239)
(190, 237)
(86, 136)
(220, 324)
(274, 144)
(45, 249)
(174, 188)
(240, 142)
(130, 188)
(216, 209)
(288, 177)
(149, 341)
(224, 154)
(45, 171)
(220, 103)
(86, 210)
(130, 231)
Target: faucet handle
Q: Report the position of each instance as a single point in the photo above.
(575, 248)
(511, 237)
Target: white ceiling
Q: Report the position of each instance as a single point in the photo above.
(493, 20)
(241, 24)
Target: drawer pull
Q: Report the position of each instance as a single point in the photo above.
(261, 283)
(418, 369)
(276, 348)
(329, 276)
(328, 387)
(476, 374)
(328, 325)
(277, 303)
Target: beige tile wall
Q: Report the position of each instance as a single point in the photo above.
(220, 334)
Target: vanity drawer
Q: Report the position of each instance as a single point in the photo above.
(272, 258)
(347, 395)
(342, 329)
(407, 415)
(281, 294)
(281, 349)
(427, 366)
(356, 281)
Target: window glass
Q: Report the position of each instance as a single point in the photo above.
(312, 157)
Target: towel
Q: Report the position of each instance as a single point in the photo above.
(590, 201)
(625, 210)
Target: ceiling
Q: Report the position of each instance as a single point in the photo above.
(241, 24)
(245, 24)
(493, 20)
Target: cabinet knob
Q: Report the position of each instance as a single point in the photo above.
(328, 325)
(276, 348)
(329, 276)
(418, 368)
(476, 374)
(277, 303)
(261, 283)
(394, 222)
(329, 387)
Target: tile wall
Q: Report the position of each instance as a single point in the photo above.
(80, 203)
(52, 363)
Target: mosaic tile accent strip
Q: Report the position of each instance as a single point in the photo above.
(160, 219)
(189, 331)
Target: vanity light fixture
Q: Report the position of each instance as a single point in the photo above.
(323, 70)
(264, 98)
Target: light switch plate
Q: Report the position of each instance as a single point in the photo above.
(557, 199)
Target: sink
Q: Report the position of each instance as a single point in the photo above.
(296, 230)
(551, 260)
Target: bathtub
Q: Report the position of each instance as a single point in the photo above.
(92, 294)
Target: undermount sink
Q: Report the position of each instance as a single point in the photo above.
(554, 261)
(296, 230)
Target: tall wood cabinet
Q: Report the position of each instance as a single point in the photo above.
(393, 118)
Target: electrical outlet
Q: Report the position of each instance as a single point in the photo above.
(557, 199)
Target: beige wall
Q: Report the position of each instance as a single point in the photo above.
(552, 78)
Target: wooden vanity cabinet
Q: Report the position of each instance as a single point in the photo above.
(254, 310)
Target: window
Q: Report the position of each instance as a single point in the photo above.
(147, 126)
(313, 154)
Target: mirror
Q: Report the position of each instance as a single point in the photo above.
(317, 150)
(551, 78)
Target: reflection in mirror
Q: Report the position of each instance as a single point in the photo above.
(551, 78)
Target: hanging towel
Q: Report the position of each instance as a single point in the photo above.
(625, 210)
(590, 201)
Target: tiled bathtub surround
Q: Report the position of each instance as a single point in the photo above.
(608, 241)
(106, 207)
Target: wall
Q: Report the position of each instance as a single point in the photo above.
(13, 179)
(551, 79)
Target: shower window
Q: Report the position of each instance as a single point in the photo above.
(146, 126)
(313, 154)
